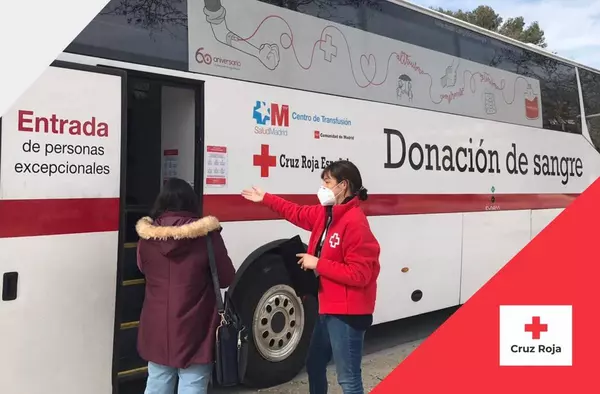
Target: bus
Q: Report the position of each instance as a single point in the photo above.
(469, 144)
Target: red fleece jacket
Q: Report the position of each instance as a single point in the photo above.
(349, 262)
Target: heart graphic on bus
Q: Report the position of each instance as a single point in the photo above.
(368, 66)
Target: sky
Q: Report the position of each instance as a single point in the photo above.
(571, 27)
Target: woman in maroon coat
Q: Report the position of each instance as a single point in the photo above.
(179, 316)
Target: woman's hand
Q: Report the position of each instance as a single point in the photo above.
(254, 194)
(307, 261)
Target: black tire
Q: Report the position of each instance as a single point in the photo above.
(266, 272)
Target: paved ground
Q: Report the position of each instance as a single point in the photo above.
(385, 347)
(376, 367)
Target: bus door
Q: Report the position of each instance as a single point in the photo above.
(61, 185)
(164, 140)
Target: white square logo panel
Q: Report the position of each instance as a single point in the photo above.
(536, 335)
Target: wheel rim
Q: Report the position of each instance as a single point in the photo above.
(278, 323)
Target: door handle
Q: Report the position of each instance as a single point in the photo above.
(10, 283)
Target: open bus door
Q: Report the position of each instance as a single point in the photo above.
(61, 187)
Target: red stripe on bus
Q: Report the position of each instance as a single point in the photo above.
(29, 218)
(228, 207)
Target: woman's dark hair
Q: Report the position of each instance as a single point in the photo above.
(344, 170)
(176, 196)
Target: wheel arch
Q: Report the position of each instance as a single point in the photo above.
(254, 257)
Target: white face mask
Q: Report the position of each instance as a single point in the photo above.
(326, 196)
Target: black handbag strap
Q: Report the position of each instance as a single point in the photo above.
(215, 276)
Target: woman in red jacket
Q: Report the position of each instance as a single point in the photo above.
(344, 254)
(179, 316)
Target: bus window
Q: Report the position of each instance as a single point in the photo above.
(558, 81)
(590, 87)
(139, 32)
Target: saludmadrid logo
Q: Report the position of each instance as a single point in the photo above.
(272, 119)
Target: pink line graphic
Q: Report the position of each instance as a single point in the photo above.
(269, 55)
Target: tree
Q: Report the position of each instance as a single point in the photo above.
(484, 16)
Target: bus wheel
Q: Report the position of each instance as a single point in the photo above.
(280, 324)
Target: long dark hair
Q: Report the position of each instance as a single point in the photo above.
(344, 170)
(176, 196)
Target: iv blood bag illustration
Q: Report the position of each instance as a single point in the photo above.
(532, 104)
(490, 103)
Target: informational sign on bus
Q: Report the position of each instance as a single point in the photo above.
(434, 154)
(58, 148)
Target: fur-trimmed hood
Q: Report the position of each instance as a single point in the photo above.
(148, 230)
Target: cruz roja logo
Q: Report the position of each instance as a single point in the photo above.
(265, 160)
(271, 118)
(535, 335)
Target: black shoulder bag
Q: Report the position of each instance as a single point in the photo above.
(231, 344)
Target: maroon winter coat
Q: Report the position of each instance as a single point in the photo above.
(179, 316)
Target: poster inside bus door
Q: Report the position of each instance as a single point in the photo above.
(60, 170)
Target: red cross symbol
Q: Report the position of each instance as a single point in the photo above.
(334, 241)
(535, 328)
(264, 161)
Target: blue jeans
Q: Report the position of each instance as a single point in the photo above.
(192, 380)
(334, 338)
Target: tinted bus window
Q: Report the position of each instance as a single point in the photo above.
(590, 86)
(144, 32)
(558, 82)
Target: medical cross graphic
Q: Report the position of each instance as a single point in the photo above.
(262, 113)
(536, 328)
(334, 241)
(329, 50)
(264, 161)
